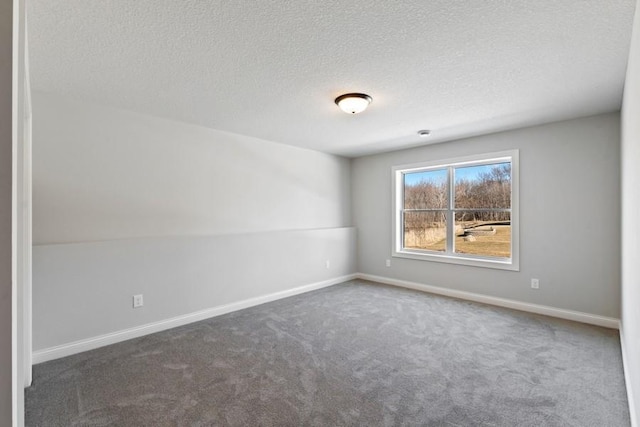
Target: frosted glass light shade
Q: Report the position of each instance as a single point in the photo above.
(353, 103)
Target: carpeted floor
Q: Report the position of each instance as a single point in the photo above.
(352, 354)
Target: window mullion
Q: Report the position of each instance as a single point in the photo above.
(451, 227)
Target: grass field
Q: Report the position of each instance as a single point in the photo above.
(498, 245)
(433, 239)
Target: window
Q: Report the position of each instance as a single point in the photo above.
(462, 211)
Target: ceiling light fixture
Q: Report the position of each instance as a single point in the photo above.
(353, 103)
(424, 133)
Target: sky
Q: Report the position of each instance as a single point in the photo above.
(471, 173)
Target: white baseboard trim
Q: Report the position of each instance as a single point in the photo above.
(138, 331)
(578, 316)
(627, 379)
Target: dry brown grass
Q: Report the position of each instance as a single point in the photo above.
(427, 238)
(497, 245)
(434, 239)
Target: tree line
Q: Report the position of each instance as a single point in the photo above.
(490, 190)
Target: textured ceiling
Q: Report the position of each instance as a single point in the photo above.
(271, 68)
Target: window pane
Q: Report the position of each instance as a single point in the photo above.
(483, 186)
(426, 190)
(425, 230)
(483, 233)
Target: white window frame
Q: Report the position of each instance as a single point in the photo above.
(449, 256)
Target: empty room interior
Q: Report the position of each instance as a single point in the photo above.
(333, 213)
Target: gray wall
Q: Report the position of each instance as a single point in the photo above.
(84, 290)
(631, 220)
(569, 216)
(192, 218)
(6, 25)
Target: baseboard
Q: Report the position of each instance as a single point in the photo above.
(627, 379)
(126, 334)
(578, 316)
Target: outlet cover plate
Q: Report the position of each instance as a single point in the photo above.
(138, 301)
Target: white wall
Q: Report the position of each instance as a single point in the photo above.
(190, 217)
(569, 217)
(631, 222)
(101, 173)
(6, 60)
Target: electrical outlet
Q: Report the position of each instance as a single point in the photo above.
(327, 264)
(137, 301)
(535, 284)
(388, 263)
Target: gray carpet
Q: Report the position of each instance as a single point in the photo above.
(352, 354)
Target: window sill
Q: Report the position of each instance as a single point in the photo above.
(500, 263)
